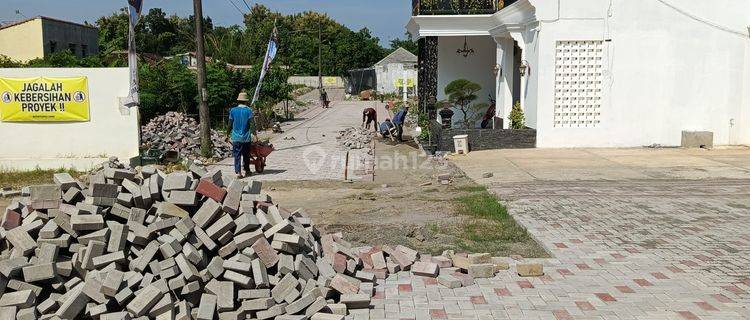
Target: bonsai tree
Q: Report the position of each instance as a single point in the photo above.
(461, 93)
(517, 119)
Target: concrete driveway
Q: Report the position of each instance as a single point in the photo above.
(527, 165)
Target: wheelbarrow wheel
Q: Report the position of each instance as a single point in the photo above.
(260, 165)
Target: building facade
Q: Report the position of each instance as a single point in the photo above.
(597, 73)
(393, 69)
(41, 36)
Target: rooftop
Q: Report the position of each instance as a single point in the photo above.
(401, 55)
(48, 19)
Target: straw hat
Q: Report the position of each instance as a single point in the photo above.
(242, 97)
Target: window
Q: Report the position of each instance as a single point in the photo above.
(84, 49)
(72, 48)
(52, 46)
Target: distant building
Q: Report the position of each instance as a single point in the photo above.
(189, 60)
(391, 70)
(41, 36)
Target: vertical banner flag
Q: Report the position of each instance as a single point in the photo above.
(273, 47)
(134, 9)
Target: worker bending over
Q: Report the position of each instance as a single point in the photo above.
(371, 116)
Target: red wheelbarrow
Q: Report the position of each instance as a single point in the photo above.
(259, 152)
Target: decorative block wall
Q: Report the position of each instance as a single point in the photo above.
(578, 84)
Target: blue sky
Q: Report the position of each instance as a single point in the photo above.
(385, 18)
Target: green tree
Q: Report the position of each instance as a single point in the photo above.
(461, 93)
(406, 43)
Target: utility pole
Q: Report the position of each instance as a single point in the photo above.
(320, 57)
(200, 55)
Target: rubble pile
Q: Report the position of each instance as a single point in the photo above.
(176, 131)
(130, 244)
(355, 138)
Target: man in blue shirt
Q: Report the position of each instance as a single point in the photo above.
(398, 120)
(241, 121)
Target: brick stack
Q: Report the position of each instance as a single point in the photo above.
(189, 245)
(176, 131)
(355, 138)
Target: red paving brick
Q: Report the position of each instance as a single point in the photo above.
(706, 306)
(585, 306)
(525, 284)
(625, 289)
(675, 270)
(583, 266)
(561, 245)
(438, 314)
(478, 300)
(429, 281)
(734, 289)
(688, 315)
(503, 292)
(562, 315)
(643, 282)
(404, 288)
(606, 297)
(564, 272)
(722, 298)
(659, 275)
(690, 263)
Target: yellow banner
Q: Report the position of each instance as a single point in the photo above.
(330, 81)
(400, 82)
(44, 99)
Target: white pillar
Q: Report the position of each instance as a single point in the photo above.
(405, 87)
(504, 80)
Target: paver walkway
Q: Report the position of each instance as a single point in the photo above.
(622, 250)
(633, 235)
(308, 149)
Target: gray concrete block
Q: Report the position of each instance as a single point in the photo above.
(20, 299)
(112, 282)
(118, 237)
(144, 300)
(207, 307)
(207, 213)
(87, 222)
(697, 139)
(73, 304)
(260, 274)
(171, 208)
(253, 294)
(39, 272)
(183, 198)
(104, 190)
(356, 301)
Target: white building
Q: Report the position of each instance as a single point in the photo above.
(392, 70)
(605, 73)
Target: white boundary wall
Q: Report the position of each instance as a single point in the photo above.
(664, 72)
(313, 81)
(78, 145)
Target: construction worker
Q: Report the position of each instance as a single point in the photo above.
(371, 116)
(387, 129)
(241, 122)
(398, 120)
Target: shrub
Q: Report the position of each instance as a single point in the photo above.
(517, 119)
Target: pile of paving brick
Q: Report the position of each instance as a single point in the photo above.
(175, 131)
(355, 138)
(189, 245)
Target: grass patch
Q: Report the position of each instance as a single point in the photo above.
(19, 179)
(489, 227)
